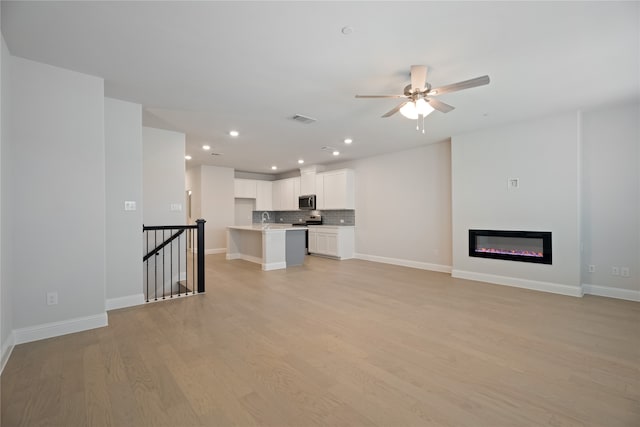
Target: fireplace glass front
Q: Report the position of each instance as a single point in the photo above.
(525, 246)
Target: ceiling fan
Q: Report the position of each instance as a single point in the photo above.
(419, 95)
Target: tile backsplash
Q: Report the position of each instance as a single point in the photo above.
(329, 217)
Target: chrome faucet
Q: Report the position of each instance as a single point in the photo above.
(263, 216)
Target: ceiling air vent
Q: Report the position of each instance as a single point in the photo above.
(303, 119)
(216, 154)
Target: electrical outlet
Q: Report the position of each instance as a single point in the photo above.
(129, 205)
(52, 298)
(624, 271)
(615, 271)
(592, 268)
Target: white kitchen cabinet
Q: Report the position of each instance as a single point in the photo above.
(336, 189)
(264, 195)
(285, 194)
(296, 193)
(244, 188)
(336, 242)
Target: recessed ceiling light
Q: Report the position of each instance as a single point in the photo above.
(274, 167)
(206, 147)
(336, 153)
(187, 157)
(300, 161)
(348, 140)
(234, 133)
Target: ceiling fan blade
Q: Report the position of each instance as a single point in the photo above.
(439, 105)
(395, 110)
(380, 96)
(467, 84)
(418, 77)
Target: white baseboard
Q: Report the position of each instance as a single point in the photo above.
(215, 251)
(122, 302)
(265, 266)
(55, 329)
(405, 263)
(274, 266)
(7, 348)
(245, 257)
(556, 288)
(607, 291)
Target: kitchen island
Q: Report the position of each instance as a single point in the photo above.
(273, 246)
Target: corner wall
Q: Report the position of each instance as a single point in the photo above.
(193, 184)
(163, 177)
(544, 155)
(6, 302)
(217, 206)
(403, 207)
(611, 201)
(123, 168)
(56, 206)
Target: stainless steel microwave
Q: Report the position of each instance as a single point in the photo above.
(307, 203)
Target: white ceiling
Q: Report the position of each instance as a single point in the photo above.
(205, 68)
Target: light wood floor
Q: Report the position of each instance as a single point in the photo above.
(348, 343)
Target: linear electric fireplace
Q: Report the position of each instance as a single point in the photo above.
(525, 246)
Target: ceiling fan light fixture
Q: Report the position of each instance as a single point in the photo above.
(413, 109)
(409, 110)
(423, 107)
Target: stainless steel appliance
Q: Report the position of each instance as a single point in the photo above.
(307, 202)
(310, 220)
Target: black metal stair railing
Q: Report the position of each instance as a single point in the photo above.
(183, 272)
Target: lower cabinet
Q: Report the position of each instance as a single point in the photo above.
(337, 242)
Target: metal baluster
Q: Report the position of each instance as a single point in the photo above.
(201, 254)
(155, 262)
(186, 263)
(147, 261)
(178, 264)
(163, 268)
(171, 269)
(193, 265)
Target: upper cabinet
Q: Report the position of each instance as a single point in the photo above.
(255, 189)
(285, 194)
(335, 189)
(245, 188)
(308, 179)
(264, 196)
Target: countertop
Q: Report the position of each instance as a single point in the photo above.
(266, 227)
(270, 226)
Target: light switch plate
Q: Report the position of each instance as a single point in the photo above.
(513, 183)
(176, 207)
(129, 206)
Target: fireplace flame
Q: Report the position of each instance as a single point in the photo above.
(510, 252)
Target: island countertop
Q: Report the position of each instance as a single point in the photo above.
(267, 227)
(273, 246)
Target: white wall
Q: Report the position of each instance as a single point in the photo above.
(163, 186)
(193, 183)
(6, 321)
(217, 206)
(544, 155)
(163, 177)
(403, 207)
(123, 165)
(611, 199)
(56, 208)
